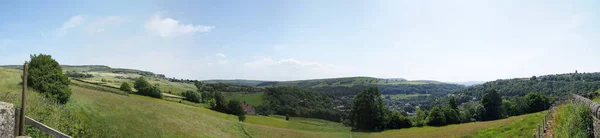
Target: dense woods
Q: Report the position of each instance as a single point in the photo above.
(300, 102)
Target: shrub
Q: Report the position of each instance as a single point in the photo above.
(191, 96)
(144, 88)
(46, 76)
(125, 87)
(537, 102)
(436, 117)
(234, 107)
(396, 121)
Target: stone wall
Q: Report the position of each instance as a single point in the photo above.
(7, 120)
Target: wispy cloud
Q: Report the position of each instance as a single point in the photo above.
(168, 27)
(99, 25)
(220, 55)
(69, 24)
(290, 69)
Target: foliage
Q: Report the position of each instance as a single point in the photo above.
(559, 85)
(300, 102)
(191, 96)
(367, 112)
(46, 76)
(537, 102)
(220, 103)
(492, 103)
(510, 109)
(144, 88)
(436, 117)
(471, 112)
(234, 107)
(395, 120)
(420, 119)
(78, 75)
(125, 87)
(574, 120)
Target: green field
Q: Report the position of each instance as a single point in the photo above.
(251, 98)
(523, 126)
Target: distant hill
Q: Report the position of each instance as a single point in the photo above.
(558, 85)
(236, 82)
(346, 81)
(96, 68)
(468, 83)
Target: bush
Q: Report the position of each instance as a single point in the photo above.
(46, 76)
(144, 88)
(537, 102)
(420, 119)
(125, 87)
(396, 121)
(234, 107)
(191, 96)
(436, 117)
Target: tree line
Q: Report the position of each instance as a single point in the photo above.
(369, 114)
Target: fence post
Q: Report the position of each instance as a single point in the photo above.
(22, 115)
(17, 121)
(539, 134)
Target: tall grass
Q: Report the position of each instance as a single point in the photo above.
(574, 120)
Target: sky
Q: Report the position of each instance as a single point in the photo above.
(450, 41)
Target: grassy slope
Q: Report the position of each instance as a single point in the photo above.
(523, 126)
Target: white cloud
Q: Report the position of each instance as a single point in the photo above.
(100, 24)
(69, 24)
(220, 55)
(167, 27)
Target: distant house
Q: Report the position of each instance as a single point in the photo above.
(248, 109)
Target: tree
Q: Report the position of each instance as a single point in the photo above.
(191, 96)
(420, 119)
(533, 78)
(287, 117)
(367, 112)
(235, 108)
(492, 102)
(395, 121)
(144, 88)
(510, 109)
(46, 76)
(536, 102)
(220, 103)
(436, 117)
(452, 103)
(125, 87)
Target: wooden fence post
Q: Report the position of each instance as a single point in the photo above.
(539, 134)
(17, 121)
(22, 115)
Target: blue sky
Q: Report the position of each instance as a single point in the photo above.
(290, 40)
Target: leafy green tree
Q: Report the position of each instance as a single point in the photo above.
(492, 102)
(510, 109)
(537, 102)
(125, 87)
(396, 120)
(220, 103)
(367, 112)
(191, 96)
(141, 83)
(235, 108)
(420, 119)
(452, 103)
(46, 76)
(471, 112)
(436, 117)
(452, 116)
(144, 88)
(287, 117)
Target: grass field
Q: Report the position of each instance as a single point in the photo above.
(254, 98)
(522, 126)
